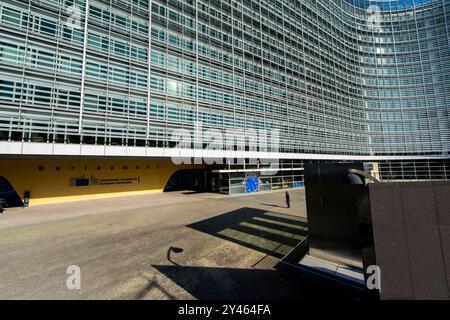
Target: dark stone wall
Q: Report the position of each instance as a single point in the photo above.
(411, 226)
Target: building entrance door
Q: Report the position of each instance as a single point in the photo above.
(190, 180)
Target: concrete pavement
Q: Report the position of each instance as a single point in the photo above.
(227, 248)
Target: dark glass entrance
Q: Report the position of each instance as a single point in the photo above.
(8, 193)
(190, 180)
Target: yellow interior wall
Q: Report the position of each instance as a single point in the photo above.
(52, 186)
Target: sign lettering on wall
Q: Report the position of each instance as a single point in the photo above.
(85, 182)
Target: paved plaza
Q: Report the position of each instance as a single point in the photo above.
(178, 245)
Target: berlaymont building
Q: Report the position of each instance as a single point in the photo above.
(104, 98)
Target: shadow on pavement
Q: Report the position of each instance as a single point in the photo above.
(151, 285)
(240, 284)
(273, 205)
(271, 233)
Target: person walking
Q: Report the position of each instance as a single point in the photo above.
(288, 200)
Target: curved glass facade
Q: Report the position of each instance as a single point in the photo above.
(321, 72)
(405, 71)
(388, 5)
